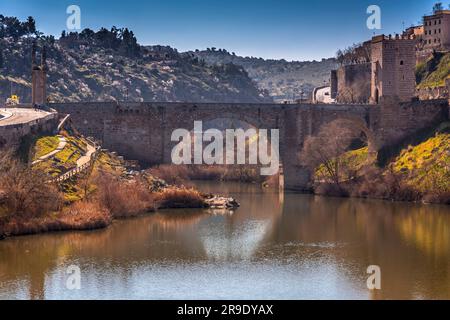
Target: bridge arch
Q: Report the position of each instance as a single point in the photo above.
(355, 124)
(231, 121)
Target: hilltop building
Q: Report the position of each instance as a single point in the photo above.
(437, 31)
(414, 31)
(432, 36)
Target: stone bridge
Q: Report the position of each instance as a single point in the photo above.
(142, 131)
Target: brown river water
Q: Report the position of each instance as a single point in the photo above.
(273, 247)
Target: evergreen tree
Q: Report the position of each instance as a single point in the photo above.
(438, 7)
(30, 26)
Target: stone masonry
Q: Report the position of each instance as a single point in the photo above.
(390, 73)
(39, 78)
(393, 68)
(142, 131)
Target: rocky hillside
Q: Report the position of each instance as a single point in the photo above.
(111, 65)
(283, 80)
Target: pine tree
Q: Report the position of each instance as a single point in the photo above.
(30, 26)
(437, 7)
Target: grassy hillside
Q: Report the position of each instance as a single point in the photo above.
(426, 166)
(44, 146)
(64, 160)
(433, 72)
(418, 172)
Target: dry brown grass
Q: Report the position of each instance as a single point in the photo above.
(79, 216)
(123, 198)
(180, 198)
(24, 191)
(442, 198)
(172, 174)
(86, 215)
(181, 175)
(386, 185)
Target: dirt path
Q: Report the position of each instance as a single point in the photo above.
(62, 144)
(82, 161)
(87, 157)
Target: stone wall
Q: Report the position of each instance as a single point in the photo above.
(11, 135)
(333, 84)
(353, 83)
(393, 68)
(397, 120)
(433, 93)
(447, 84)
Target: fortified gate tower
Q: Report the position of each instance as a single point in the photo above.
(393, 68)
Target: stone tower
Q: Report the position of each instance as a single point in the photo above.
(39, 78)
(393, 68)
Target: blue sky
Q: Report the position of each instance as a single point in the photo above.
(289, 29)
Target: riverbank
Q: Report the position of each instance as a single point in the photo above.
(92, 200)
(417, 171)
(99, 213)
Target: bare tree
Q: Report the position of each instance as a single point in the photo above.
(25, 192)
(340, 57)
(322, 152)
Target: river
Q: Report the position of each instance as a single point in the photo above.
(273, 247)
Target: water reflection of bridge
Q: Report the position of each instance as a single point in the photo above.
(343, 236)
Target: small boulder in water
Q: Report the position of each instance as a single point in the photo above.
(217, 202)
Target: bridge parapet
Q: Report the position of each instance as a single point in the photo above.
(11, 134)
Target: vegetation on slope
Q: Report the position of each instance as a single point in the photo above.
(426, 167)
(353, 162)
(45, 145)
(418, 172)
(281, 79)
(109, 65)
(433, 72)
(62, 161)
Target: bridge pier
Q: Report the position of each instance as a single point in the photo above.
(295, 178)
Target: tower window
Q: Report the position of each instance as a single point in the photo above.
(401, 62)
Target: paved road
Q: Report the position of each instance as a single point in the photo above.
(12, 116)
